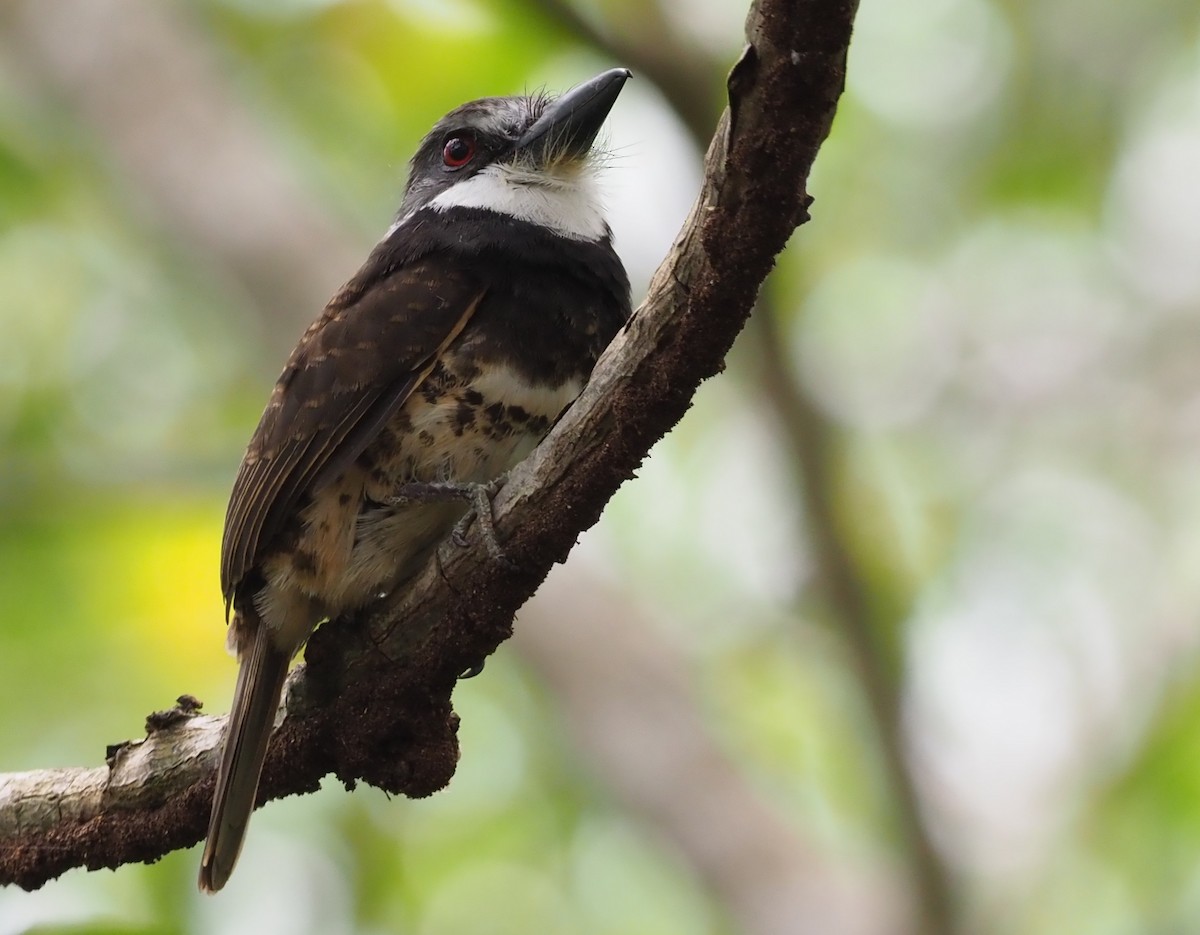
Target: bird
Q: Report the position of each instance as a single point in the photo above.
(474, 322)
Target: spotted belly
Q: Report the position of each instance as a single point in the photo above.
(466, 426)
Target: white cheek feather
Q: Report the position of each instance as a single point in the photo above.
(568, 206)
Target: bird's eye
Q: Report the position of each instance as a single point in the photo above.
(458, 151)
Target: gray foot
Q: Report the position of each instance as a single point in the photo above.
(479, 496)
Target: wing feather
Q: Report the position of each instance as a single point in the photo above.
(370, 349)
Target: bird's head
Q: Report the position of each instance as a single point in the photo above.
(528, 157)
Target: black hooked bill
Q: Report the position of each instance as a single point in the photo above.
(568, 126)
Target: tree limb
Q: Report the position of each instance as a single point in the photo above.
(681, 71)
(372, 702)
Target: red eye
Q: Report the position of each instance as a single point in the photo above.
(458, 151)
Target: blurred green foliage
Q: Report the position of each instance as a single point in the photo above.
(995, 310)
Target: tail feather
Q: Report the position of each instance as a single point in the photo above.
(255, 701)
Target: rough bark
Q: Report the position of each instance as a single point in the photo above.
(682, 71)
(372, 702)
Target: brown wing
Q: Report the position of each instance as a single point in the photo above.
(372, 346)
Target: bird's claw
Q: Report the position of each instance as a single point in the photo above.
(478, 495)
(472, 672)
(481, 509)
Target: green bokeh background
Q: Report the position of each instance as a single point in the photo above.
(994, 318)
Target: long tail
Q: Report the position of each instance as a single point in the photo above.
(255, 700)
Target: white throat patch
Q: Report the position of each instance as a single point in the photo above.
(568, 206)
